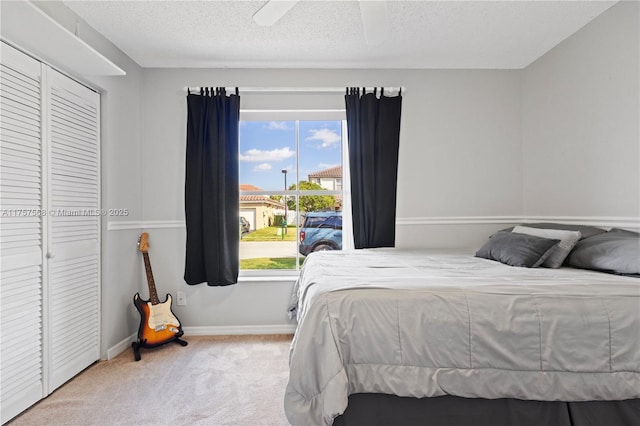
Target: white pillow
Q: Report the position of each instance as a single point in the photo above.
(568, 239)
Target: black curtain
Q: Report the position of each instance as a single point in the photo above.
(212, 188)
(374, 136)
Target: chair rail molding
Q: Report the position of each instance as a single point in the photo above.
(144, 224)
(456, 220)
(602, 221)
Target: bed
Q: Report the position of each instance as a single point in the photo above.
(380, 328)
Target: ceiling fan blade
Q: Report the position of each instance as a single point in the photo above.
(375, 21)
(272, 11)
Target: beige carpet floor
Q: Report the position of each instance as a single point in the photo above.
(217, 380)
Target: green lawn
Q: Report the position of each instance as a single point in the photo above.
(270, 263)
(270, 234)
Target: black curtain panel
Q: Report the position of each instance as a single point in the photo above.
(373, 124)
(212, 188)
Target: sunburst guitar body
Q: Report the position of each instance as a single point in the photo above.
(158, 323)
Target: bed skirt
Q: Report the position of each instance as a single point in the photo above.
(383, 410)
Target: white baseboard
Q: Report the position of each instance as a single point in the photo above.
(120, 347)
(214, 330)
(234, 330)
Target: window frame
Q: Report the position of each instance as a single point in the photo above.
(249, 275)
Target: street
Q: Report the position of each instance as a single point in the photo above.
(256, 249)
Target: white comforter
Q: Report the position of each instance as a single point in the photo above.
(422, 324)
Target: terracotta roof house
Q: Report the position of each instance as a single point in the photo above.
(259, 210)
(330, 179)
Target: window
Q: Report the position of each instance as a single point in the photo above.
(291, 175)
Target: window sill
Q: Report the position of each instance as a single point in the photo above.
(268, 278)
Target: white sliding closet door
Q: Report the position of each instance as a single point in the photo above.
(22, 269)
(49, 230)
(74, 228)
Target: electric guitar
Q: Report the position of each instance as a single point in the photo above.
(158, 324)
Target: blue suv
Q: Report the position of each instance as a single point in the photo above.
(321, 231)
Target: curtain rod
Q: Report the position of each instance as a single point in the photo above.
(327, 90)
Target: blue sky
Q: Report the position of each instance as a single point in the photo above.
(268, 147)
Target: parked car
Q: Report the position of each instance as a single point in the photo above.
(244, 225)
(321, 231)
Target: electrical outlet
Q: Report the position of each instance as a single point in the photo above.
(182, 298)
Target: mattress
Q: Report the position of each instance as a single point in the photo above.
(423, 324)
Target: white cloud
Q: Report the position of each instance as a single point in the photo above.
(264, 167)
(277, 125)
(258, 155)
(326, 136)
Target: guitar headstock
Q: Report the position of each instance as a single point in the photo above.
(143, 244)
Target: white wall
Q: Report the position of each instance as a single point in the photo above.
(580, 128)
(460, 157)
(459, 143)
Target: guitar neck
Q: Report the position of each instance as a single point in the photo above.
(153, 294)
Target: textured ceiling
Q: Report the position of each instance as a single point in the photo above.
(329, 34)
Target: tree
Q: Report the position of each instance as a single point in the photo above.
(311, 203)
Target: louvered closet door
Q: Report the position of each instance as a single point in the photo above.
(21, 234)
(74, 228)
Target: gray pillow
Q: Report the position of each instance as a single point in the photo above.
(568, 240)
(585, 231)
(616, 251)
(516, 249)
